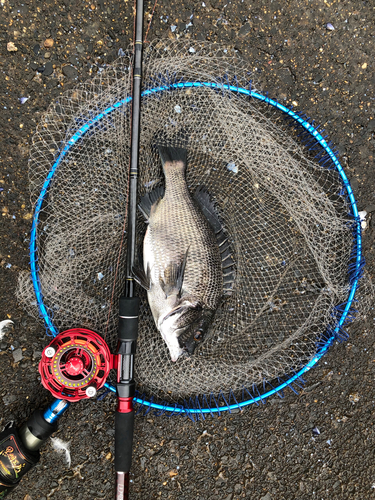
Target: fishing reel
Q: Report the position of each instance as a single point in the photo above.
(75, 365)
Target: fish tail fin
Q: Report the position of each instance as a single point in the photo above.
(172, 158)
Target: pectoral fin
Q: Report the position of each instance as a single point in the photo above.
(171, 283)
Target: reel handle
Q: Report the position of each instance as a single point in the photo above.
(19, 448)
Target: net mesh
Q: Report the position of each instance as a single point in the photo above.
(285, 212)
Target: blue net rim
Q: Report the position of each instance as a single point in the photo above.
(178, 409)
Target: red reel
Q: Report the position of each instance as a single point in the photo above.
(75, 364)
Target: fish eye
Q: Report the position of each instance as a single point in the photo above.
(198, 335)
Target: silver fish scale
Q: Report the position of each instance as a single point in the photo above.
(176, 226)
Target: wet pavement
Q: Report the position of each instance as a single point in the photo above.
(314, 55)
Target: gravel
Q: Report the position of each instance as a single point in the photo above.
(17, 355)
(48, 69)
(70, 72)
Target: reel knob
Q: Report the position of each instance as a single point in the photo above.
(75, 365)
(91, 391)
(49, 352)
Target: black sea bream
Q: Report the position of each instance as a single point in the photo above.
(182, 258)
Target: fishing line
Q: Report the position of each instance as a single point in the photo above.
(150, 21)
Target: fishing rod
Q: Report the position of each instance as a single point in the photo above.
(129, 304)
(75, 365)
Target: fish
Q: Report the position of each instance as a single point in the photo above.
(184, 252)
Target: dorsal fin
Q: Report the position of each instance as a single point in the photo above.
(207, 206)
(150, 199)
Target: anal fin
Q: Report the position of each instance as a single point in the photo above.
(142, 277)
(149, 200)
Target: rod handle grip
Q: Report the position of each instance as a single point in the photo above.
(124, 429)
(128, 321)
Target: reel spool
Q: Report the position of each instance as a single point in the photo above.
(75, 365)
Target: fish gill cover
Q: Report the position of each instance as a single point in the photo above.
(282, 200)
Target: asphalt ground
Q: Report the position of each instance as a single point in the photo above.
(316, 55)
